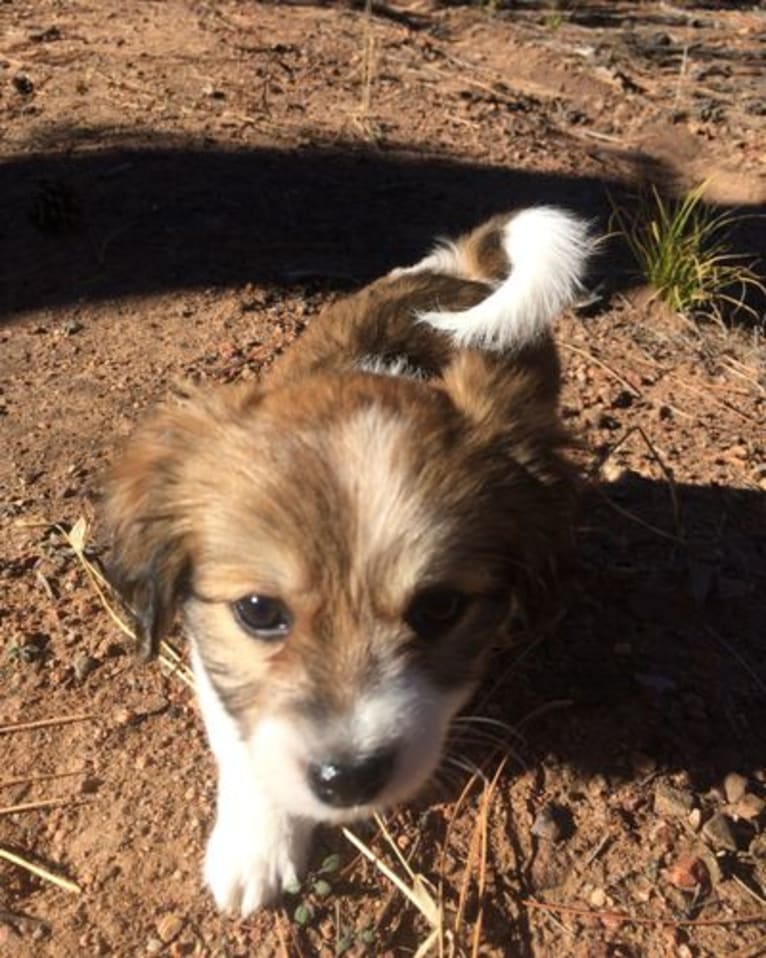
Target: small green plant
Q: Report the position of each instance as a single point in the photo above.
(314, 895)
(554, 21)
(682, 250)
(318, 885)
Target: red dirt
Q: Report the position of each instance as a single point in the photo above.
(184, 186)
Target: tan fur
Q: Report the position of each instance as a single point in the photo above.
(345, 493)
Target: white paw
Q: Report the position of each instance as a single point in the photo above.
(247, 867)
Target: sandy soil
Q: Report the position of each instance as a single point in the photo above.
(185, 184)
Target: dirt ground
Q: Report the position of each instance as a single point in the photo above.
(184, 185)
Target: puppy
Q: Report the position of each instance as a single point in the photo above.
(347, 541)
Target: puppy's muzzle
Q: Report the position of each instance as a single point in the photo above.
(345, 782)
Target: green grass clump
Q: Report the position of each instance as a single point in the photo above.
(681, 248)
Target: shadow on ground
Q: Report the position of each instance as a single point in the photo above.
(129, 220)
(662, 650)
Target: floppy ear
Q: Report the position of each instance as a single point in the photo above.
(147, 508)
(143, 515)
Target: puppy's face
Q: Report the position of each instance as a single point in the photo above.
(345, 550)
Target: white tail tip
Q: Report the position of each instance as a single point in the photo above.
(548, 251)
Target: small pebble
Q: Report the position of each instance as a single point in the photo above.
(718, 832)
(734, 787)
(612, 471)
(623, 400)
(663, 834)
(598, 786)
(169, 927)
(749, 807)
(695, 819)
(154, 946)
(672, 802)
(23, 85)
(551, 823)
(83, 664)
(689, 872)
(121, 715)
(597, 898)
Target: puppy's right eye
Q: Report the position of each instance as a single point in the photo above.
(434, 611)
(263, 616)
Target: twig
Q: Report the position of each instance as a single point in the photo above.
(740, 658)
(45, 723)
(34, 806)
(481, 882)
(605, 366)
(670, 480)
(729, 363)
(751, 891)
(637, 519)
(719, 402)
(76, 540)
(168, 656)
(553, 706)
(40, 872)
(417, 895)
(596, 852)
(635, 920)
(35, 779)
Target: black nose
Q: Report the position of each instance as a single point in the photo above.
(344, 783)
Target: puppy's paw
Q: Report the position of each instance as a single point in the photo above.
(249, 866)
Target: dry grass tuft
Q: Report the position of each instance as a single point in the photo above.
(682, 249)
(450, 933)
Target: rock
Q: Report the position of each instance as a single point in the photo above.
(623, 400)
(605, 421)
(598, 786)
(718, 832)
(695, 819)
(122, 716)
(734, 787)
(552, 824)
(83, 664)
(154, 946)
(688, 873)
(597, 898)
(672, 802)
(169, 927)
(23, 85)
(612, 471)
(750, 807)
(663, 835)
(712, 864)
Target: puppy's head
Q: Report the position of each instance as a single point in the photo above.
(344, 550)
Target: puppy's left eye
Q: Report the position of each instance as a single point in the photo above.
(263, 616)
(435, 611)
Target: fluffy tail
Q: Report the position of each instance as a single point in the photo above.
(546, 251)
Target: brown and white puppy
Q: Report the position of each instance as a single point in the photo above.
(347, 540)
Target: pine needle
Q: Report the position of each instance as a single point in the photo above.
(39, 871)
